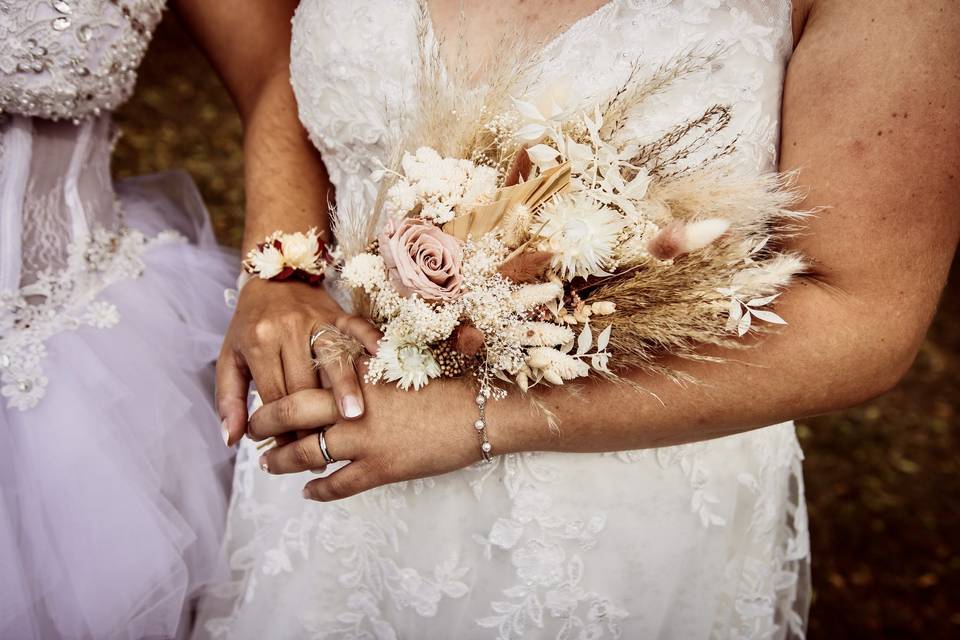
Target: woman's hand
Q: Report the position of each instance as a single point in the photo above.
(402, 435)
(287, 189)
(269, 341)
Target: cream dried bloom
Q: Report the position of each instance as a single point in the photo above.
(401, 199)
(544, 334)
(603, 308)
(531, 296)
(267, 262)
(439, 185)
(555, 366)
(364, 271)
(408, 365)
(581, 233)
(302, 250)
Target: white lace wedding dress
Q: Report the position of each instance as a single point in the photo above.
(707, 540)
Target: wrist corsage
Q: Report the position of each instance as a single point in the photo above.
(289, 256)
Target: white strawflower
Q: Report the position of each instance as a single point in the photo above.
(581, 233)
(267, 262)
(407, 365)
(300, 251)
(543, 334)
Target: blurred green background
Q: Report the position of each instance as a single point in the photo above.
(882, 479)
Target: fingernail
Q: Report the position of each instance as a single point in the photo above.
(224, 432)
(263, 464)
(351, 407)
(306, 493)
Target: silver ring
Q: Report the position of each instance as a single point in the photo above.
(327, 458)
(316, 336)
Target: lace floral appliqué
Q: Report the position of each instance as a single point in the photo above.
(63, 300)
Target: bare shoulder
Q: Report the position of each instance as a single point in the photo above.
(939, 19)
(884, 77)
(871, 115)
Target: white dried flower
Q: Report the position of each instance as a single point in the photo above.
(439, 185)
(531, 296)
(544, 334)
(364, 271)
(408, 365)
(555, 366)
(603, 308)
(401, 199)
(301, 250)
(437, 212)
(523, 380)
(267, 262)
(581, 233)
(481, 185)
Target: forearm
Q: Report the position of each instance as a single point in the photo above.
(883, 243)
(286, 184)
(827, 358)
(248, 43)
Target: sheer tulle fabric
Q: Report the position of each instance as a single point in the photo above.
(113, 492)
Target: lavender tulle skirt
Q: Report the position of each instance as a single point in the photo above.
(113, 489)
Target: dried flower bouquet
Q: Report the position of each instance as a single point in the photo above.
(519, 238)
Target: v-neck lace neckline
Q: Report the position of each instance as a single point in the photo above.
(477, 80)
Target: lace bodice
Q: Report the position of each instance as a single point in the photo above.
(353, 68)
(71, 58)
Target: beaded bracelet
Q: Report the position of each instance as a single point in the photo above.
(289, 256)
(481, 426)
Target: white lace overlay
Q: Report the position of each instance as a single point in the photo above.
(707, 540)
(64, 300)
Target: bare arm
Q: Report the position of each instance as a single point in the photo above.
(248, 43)
(870, 117)
(287, 189)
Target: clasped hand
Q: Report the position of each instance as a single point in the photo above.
(400, 436)
(387, 434)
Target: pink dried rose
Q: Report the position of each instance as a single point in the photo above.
(422, 259)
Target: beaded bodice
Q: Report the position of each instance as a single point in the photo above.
(71, 58)
(64, 65)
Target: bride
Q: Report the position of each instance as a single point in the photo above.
(678, 514)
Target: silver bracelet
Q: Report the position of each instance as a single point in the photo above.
(481, 427)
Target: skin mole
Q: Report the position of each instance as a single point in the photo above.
(858, 147)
